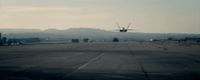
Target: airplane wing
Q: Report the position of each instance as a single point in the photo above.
(128, 26)
(118, 25)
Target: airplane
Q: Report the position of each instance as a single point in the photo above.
(123, 29)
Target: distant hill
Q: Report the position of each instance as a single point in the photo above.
(8, 31)
(80, 33)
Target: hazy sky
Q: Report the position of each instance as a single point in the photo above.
(145, 15)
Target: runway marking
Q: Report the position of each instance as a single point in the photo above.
(141, 66)
(84, 65)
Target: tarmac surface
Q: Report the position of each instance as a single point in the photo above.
(100, 61)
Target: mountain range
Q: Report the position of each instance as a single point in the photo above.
(95, 34)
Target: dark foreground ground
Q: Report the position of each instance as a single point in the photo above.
(100, 61)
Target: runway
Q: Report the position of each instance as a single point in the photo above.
(100, 61)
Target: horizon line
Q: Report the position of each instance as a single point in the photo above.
(96, 29)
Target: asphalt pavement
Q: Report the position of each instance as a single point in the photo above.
(100, 61)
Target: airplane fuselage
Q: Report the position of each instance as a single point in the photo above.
(123, 29)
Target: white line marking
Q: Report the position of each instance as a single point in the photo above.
(86, 64)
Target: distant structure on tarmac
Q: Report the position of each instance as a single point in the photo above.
(0, 40)
(85, 40)
(115, 39)
(75, 40)
(186, 39)
(4, 41)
